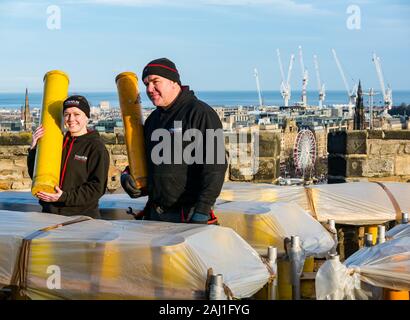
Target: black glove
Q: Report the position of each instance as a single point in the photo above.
(128, 184)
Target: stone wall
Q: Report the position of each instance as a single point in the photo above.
(13, 164)
(14, 149)
(244, 166)
(369, 155)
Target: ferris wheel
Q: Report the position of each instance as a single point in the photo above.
(304, 151)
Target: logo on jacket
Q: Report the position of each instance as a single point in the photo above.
(80, 158)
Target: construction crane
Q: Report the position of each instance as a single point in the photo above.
(285, 85)
(304, 77)
(258, 87)
(351, 94)
(371, 94)
(387, 93)
(320, 86)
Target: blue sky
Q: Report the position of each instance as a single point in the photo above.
(215, 44)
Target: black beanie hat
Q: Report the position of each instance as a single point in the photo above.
(79, 102)
(162, 67)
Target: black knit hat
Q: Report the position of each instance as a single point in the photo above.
(162, 67)
(79, 102)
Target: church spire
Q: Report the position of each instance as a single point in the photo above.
(359, 120)
(27, 116)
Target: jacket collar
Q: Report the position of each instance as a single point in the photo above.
(182, 96)
(90, 133)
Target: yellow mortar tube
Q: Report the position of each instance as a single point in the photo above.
(41, 257)
(108, 256)
(129, 97)
(373, 230)
(284, 279)
(171, 263)
(73, 259)
(389, 294)
(307, 287)
(48, 156)
(259, 231)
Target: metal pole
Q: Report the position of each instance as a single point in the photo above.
(272, 256)
(332, 228)
(381, 234)
(216, 290)
(368, 242)
(405, 218)
(334, 256)
(295, 255)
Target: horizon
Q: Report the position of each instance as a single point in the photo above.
(143, 92)
(213, 98)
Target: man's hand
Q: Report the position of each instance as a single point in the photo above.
(128, 184)
(50, 197)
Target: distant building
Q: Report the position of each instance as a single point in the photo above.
(108, 125)
(396, 124)
(10, 126)
(95, 110)
(105, 105)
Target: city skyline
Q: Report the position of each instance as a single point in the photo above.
(215, 46)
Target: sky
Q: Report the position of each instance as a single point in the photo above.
(215, 44)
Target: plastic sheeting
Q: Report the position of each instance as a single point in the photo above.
(386, 265)
(264, 224)
(401, 230)
(357, 203)
(264, 192)
(112, 206)
(261, 224)
(126, 259)
(353, 203)
(401, 192)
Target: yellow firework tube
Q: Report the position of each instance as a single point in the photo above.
(49, 147)
(129, 97)
(307, 286)
(390, 294)
(284, 279)
(373, 230)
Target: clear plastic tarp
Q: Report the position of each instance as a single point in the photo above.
(112, 206)
(99, 259)
(264, 192)
(401, 230)
(264, 224)
(357, 203)
(385, 265)
(354, 203)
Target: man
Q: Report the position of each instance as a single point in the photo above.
(182, 185)
(84, 164)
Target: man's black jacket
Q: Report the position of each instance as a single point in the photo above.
(173, 180)
(83, 178)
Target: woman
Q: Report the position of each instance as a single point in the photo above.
(84, 164)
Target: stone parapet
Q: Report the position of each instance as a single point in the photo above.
(254, 161)
(369, 155)
(262, 167)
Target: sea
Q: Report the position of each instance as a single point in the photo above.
(213, 98)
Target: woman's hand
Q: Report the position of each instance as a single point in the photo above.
(37, 135)
(50, 197)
